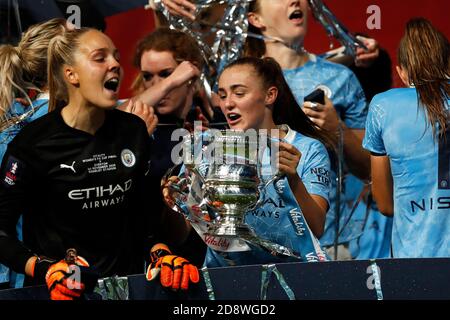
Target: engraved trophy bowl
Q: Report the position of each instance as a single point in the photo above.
(232, 189)
(222, 180)
(232, 182)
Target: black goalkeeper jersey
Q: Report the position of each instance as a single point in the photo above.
(77, 190)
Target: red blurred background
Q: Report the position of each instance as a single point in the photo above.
(127, 28)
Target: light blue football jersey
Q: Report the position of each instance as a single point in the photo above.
(374, 242)
(397, 127)
(375, 239)
(350, 103)
(17, 109)
(346, 92)
(274, 219)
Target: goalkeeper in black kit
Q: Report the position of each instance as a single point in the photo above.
(78, 178)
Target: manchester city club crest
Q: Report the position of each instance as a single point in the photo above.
(128, 158)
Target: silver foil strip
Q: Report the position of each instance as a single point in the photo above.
(229, 37)
(335, 28)
(208, 283)
(377, 279)
(113, 288)
(266, 275)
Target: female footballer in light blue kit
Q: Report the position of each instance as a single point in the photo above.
(287, 20)
(409, 137)
(254, 95)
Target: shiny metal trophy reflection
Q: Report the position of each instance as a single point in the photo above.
(221, 182)
(232, 183)
(229, 33)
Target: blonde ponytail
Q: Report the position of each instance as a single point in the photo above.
(24, 67)
(11, 77)
(60, 52)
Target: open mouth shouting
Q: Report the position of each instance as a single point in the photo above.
(112, 85)
(296, 16)
(233, 118)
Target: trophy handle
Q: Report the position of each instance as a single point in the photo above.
(277, 177)
(274, 179)
(262, 187)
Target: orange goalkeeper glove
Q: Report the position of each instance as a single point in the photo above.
(63, 278)
(175, 271)
(62, 281)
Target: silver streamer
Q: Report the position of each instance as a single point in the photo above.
(208, 283)
(113, 288)
(266, 275)
(230, 34)
(232, 31)
(377, 279)
(335, 28)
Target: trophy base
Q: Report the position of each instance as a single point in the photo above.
(231, 230)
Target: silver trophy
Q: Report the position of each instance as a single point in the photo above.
(232, 183)
(223, 178)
